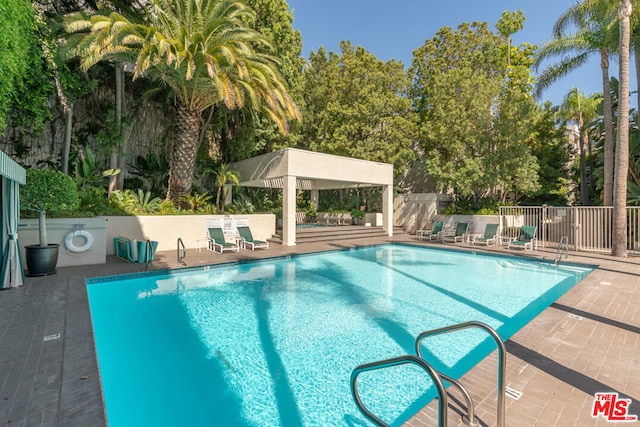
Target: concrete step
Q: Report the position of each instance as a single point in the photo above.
(334, 233)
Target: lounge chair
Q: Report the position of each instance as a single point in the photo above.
(216, 240)
(490, 235)
(430, 234)
(526, 238)
(248, 242)
(458, 235)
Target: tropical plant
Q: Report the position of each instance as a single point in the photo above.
(596, 35)
(224, 176)
(196, 201)
(582, 110)
(204, 52)
(153, 169)
(47, 192)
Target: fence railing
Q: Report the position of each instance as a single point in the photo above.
(587, 228)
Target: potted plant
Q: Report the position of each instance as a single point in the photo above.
(311, 214)
(356, 215)
(46, 192)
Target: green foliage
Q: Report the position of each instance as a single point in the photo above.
(196, 201)
(357, 106)
(20, 52)
(153, 169)
(357, 213)
(48, 191)
(475, 109)
(136, 203)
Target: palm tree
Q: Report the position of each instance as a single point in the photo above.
(619, 232)
(596, 22)
(205, 53)
(224, 176)
(582, 110)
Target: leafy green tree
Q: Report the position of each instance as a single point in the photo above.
(473, 111)
(203, 51)
(18, 41)
(548, 145)
(357, 106)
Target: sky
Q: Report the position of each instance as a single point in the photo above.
(392, 29)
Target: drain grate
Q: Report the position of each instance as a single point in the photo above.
(51, 337)
(513, 393)
(605, 283)
(575, 316)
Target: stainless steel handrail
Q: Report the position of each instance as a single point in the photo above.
(395, 361)
(149, 253)
(501, 357)
(184, 252)
(558, 258)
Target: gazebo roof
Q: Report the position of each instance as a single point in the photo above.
(314, 171)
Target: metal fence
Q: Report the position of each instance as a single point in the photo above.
(587, 228)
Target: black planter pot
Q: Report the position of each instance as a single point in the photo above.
(41, 260)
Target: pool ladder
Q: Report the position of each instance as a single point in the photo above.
(149, 253)
(563, 240)
(438, 377)
(182, 255)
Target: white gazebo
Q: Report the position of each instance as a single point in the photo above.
(292, 169)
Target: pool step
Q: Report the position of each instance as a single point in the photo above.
(343, 232)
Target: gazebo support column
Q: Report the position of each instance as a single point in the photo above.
(289, 210)
(315, 198)
(387, 210)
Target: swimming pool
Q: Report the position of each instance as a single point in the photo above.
(273, 342)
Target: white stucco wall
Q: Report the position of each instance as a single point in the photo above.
(164, 229)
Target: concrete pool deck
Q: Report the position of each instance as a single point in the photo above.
(588, 341)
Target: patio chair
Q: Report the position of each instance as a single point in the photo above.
(458, 235)
(430, 234)
(526, 238)
(248, 242)
(216, 240)
(490, 235)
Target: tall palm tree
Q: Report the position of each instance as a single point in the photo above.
(596, 34)
(582, 110)
(205, 53)
(619, 232)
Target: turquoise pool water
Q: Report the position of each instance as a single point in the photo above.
(273, 342)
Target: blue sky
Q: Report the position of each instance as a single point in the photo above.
(392, 29)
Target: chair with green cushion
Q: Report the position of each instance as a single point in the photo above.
(217, 240)
(430, 234)
(526, 238)
(490, 235)
(458, 235)
(248, 242)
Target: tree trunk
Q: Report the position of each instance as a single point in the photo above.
(619, 232)
(183, 154)
(113, 161)
(584, 192)
(122, 148)
(608, 129)
(68, 132)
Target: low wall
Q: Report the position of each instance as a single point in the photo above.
(192, 229)
(166, 230)
(477, 223)
(57, 230)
